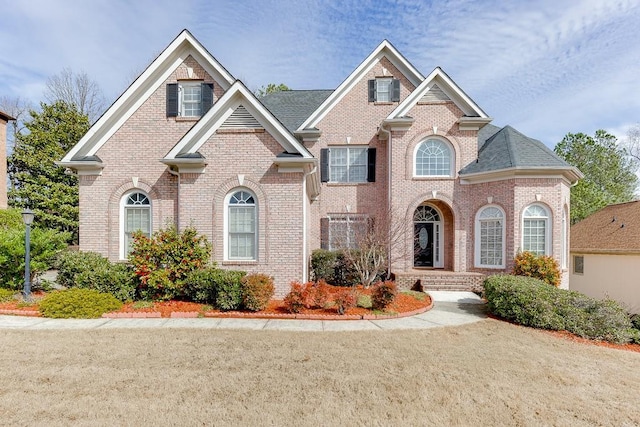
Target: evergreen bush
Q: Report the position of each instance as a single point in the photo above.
(78, 303)
(257, 290)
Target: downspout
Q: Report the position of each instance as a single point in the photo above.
(305, 255)
(389, 208)
(174, 173)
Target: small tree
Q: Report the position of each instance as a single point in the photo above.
(271, 88)
(370, 246)
(163, 262)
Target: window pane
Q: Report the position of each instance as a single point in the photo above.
(191, 100)
(348, 164)
(242, 226)
(346, 231)
(491, 242)
(433, 158)
(534, 236)
(383, 87)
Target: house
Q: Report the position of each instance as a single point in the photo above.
(605, 254)
(269, 180)
(4, 119)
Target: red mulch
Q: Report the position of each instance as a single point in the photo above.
(575, 338)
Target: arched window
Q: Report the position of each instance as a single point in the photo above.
(536, 230)
(433, 157)
(489, 236)
(242, 236)
(136, 216)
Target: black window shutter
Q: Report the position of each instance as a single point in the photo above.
(371, 170)
(172, 100)
(207, 97)
(324, 233)
(372, 91)
(324, 165)
(395, 96)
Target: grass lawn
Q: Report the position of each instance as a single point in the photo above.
(486, 373)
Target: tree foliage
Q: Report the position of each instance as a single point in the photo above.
(76, 89)
(36, 182)
(271, 88)
(45, 245)
(632, 143)
(609, 174)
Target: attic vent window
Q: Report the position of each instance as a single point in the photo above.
(384, 89)
(189, 98)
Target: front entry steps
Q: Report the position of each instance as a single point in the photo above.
(441, 280)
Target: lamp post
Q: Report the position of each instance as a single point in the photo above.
(27, 217)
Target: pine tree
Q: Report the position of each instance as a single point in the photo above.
(36, 181)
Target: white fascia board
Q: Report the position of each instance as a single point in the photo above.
(237, 95)
(448, 86)
(142, 88)
(570, 175)
(384, 49)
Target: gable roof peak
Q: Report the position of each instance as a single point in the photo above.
(384, 49)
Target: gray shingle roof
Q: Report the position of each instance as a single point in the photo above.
(507, 148)
(293, 107)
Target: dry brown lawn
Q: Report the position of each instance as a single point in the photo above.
(487, 373)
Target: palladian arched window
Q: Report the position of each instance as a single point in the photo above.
(433, 157)
(242, 220)
(136, 216)
(536, 230)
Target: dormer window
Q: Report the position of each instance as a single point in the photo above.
(384, 89)
(189, 98)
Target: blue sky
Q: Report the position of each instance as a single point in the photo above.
(545, 67)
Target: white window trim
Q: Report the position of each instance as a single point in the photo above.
(349, 148)
(389, 83)
(563, 245)
(181, 85)
(227, 198)
(343, 218)
(548, 229)
(477, 255)
(452, 158)
(123, 204)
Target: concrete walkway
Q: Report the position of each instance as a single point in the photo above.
(449, 309)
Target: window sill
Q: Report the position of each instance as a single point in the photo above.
(240, 262)
(346, 184)
(187, 119)
(490, 267)
(433, 178)
(384, 103)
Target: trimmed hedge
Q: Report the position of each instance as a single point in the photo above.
(78, 303)
(333, 267)
(90, 270)
(257, 290)
(532, 302)
(221, 288)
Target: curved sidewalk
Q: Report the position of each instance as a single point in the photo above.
(449, 309)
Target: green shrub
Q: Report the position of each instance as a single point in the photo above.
(228, 289)
(532, 302)
(295, 299)
(116, 279)
(323, 264)
(257, 290)
(71, 263)
(45, 245)
(78, 303)
(383, 295)
(364, 301)
(6, 295)
(541, 267)
(200, 285)
(333, 267)
(163, 262)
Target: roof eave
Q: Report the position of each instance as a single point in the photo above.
(473, 123)
(571, 175)
(83, 167)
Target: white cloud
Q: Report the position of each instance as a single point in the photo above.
(546, 68)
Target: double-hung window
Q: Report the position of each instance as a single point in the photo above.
(348, 164)
(384, 89)
(189, 98)
(489, 232)
(242, 226)
(346, 230)
(536, 230)
(136, 216)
